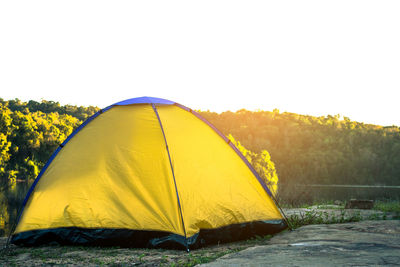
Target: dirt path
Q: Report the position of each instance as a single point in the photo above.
(364, 243)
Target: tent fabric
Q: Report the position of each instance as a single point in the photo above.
(145, 172)
(210, 163)
(232, 146)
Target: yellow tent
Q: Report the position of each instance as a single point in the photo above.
(146, 172)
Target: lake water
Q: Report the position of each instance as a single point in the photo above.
(296, 195)
(10, 202)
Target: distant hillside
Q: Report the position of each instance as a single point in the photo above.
(305, 149)
(319, 150)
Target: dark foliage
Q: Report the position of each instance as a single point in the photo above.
(30, 132)
(317, 150)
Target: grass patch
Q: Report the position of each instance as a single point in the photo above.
(322, 217)
(194, 259)
(76, 255)
(387, 206)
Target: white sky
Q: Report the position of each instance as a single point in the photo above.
(309, 57)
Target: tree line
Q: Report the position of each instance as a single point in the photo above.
(317, 150)
(296, 148)
(30, 132)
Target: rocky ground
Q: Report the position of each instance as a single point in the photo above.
(375, 240)
(366, 243)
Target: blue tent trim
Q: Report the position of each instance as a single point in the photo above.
(144, 100)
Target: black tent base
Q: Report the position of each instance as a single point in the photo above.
(146, 239)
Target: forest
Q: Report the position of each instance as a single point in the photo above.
(317, 150)
(30, 132)
(299, 149)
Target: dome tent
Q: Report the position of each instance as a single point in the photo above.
(146, 172)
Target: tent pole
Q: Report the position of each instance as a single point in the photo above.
(173, 175)
(284, 215)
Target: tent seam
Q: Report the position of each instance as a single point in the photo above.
(173, 174)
